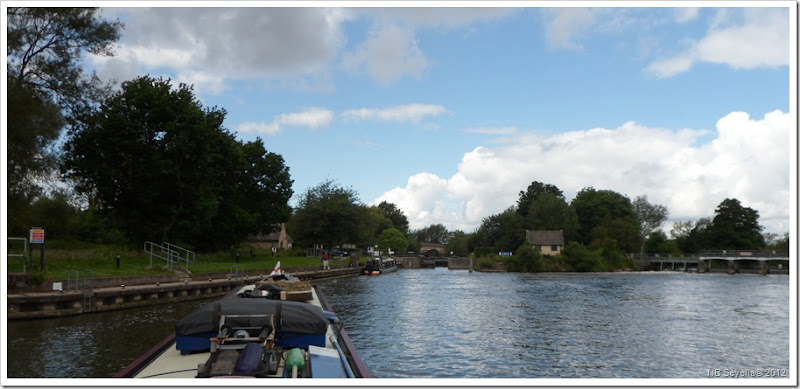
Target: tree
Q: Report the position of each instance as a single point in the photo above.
(45, 48)
(735, 227)
(650, 217)
(547, 212)
(327, 214)
(458, 243)
(396, 215)
(46, 89)
(393, 239)
(373, 222)
(266, 187)
(434, 233)
(34, 123)
(534, 190)
(605, 214)
(657, 243)
(165, 169)
(504, 231)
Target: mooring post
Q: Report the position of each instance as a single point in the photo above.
(701, 266)
(733, 267)
(763, 268)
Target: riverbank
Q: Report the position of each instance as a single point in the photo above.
(123, 293)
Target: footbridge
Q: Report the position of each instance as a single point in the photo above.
(702, 262)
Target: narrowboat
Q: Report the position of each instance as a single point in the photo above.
(255, 333)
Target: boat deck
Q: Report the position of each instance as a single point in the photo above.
(171, 364)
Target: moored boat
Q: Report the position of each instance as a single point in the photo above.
(378, 266)
(255, 333)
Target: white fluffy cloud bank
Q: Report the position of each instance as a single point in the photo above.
(748, 160)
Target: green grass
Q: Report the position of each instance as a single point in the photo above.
(61, 258)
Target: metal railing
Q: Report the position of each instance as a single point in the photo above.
(744, 254)
(169, 252)
(22, 255)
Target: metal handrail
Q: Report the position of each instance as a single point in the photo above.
(149, 248)
(176, 248)
(24, 251)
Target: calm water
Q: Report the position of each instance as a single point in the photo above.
(455, 324)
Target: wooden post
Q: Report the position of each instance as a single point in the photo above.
(733, 267)
(763, 268)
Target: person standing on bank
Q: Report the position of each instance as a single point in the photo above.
(325, 261)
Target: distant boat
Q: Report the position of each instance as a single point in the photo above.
(378, 266)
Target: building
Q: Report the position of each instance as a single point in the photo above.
(550, 242)
(434, 249)
(280, 240)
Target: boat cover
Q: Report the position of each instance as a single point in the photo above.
(290, 316)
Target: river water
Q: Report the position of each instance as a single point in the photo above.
(439, 323)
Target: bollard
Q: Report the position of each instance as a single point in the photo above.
(117, 261)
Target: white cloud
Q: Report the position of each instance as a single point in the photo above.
(748, 160)
(761, 40)
(686, 14)
(565, 25)
(230, 43)
(389, 54)
(312, 118)
(413, 113)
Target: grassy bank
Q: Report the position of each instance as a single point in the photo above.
(61, 258)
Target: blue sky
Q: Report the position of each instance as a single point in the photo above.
(450, 112)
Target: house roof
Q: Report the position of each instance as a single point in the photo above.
(545, 237)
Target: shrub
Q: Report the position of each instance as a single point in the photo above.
(486, 263)
(526, 259)
(484, 251)
(582, 259)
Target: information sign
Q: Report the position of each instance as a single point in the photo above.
(37, 235)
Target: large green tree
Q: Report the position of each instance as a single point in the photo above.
(650, 217)
(605, 214)
(327, 214)
(735, 227)
(434, 233)
(393, 239)
(459, 243)
(396, 215)
(504, 231)
(373, 222)
(46, 87)
(34, 123)
(163, 167)
(533, 192)
(547, 212)
(45, 50)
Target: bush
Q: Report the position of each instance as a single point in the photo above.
(484, 251)
(582, 259)
(526, 259)
(486, 263)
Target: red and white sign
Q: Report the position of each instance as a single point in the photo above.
(37, 235)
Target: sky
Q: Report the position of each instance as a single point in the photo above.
(450, 112)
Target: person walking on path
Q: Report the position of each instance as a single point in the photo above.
(325, 261)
